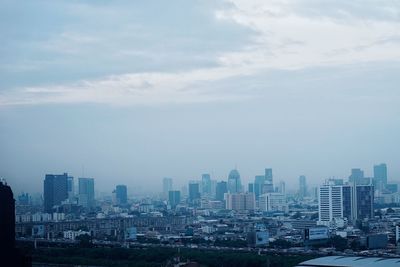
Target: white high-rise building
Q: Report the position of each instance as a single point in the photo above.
(273, 202)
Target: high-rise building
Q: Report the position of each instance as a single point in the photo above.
(282, 187)
(357, 176)
(222, 188)
(121, 194)
(55, 190)
(302, 187)
(206, 184)
(380, 176)
(174, 198)
(86, 192)
(240, 201)
(351, 201)
(167, 186)
(194, 192)
(250, 188)
(269, 183)
(70, 187)
(213, 188)
(234, 182)
(259, 182)
(273, 202)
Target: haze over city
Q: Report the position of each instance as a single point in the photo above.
(131, 92)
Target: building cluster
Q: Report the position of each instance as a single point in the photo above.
(220, 213)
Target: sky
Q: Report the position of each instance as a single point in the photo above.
(129, 92)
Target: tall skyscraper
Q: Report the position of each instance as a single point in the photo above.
(234, 182)
(167, 186)
(121, 194)
(174, 198)
(282, 187)
(86, 192)
(222, 188)
(363, 202)
(259, 182)
(269, 183)
(55, 190)
(206, 184)
(194, 192)
(302, 187)
(380, 176)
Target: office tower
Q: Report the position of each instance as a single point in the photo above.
(213, 188)
(121, 194)
(302, 187)
(70, 187)
(234, 183)
(167, 186)
(250, 188)
(86, 192)
(273, 202)
(240, 201)
(24, 199)
(194, 192)
(380, 176)
(55, 190)
(282, 187)
(222, 188)
(7, 218)
(357, 176)
(206, 184)
(259, 182)
(269, 183)
(174, 198)
(363, 202)
(330, 203)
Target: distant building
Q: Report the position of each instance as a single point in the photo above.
(282, 187)
(222, 188)
(259, 182)
(206, 184)
(269, 183)
(250, 188)
(174, 198)
(86, 192)
(234, 182)
(302, 187)
(240, 201)
(357, 176)
(167, 186)
(7, 215)
(70, 187)
(121, 194)
(194, 192)
(380, 176)
(273, 202)
(24, 199)
(72, 235)
(55, 190)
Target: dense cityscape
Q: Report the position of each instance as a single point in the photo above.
(355, 216)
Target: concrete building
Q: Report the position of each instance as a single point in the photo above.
(273, 202)
(240, 201)
(121, 194)
(86, 192)
(174, 198)
(55, 190)
(234, 182)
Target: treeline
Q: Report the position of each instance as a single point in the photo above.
(149, 257)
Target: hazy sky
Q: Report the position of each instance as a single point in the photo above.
(138, 90)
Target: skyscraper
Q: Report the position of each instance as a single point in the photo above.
(363, 202)
(357, 176)
(194, 192)
(380, 176)
(174, 198)
(55, 190)
(234, 183)
(222, 188)
(167, 186)
(70, 187)
(206, 184)
(302, 187)
(121, 194)
(86, 192)
(259, 182)
(269, 183)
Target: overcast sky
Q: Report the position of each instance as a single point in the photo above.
(132, 91)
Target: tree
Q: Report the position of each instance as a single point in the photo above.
(338, 242)
(85, 241)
